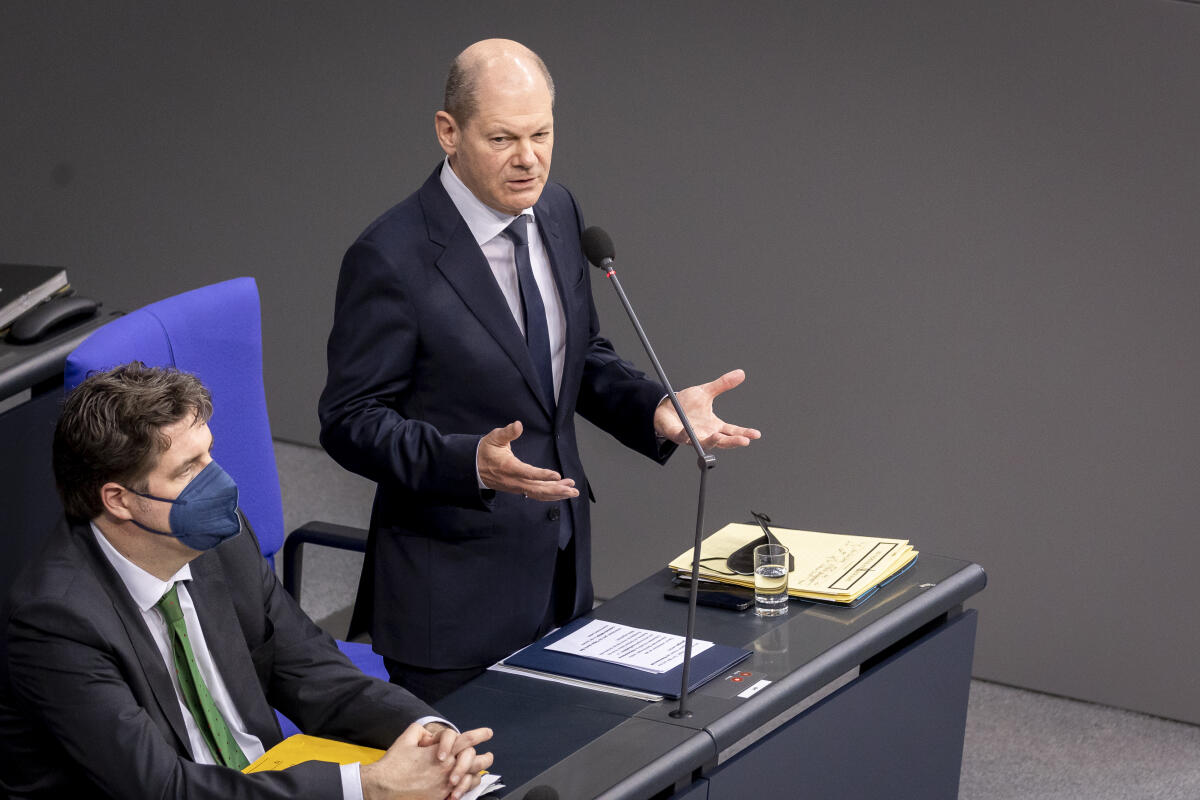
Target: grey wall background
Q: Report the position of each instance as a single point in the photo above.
(952, 243)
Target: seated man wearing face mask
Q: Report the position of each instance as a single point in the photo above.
(142, 653)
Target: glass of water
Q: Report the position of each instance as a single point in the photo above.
(770, 580)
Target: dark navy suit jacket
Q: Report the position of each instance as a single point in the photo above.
(424, 359)
(88, 709)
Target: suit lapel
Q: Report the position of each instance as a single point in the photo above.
(464, 267)
(560, 257)
(148, 656)
(227, 644)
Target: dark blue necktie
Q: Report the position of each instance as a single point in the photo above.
(537, 334)
(537, 339)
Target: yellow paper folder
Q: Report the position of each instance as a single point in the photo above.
(830, 567)
(300, 748)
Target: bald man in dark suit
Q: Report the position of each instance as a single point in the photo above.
(464, 343)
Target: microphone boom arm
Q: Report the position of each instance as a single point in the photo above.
(704, 462)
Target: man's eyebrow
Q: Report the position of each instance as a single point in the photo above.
(501, 129)
(183, 467)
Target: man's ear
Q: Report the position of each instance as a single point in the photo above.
(447, 131)
(116, 500)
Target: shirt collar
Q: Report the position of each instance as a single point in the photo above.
(145, 589)
(485, 222)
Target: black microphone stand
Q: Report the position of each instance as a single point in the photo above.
(704, 461)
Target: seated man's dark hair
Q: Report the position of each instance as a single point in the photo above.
(111, 430)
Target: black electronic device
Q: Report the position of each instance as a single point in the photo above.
(23, 286)
(51, 317)
(741, 560)
(729, 598)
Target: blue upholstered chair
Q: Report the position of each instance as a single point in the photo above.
(215, 333)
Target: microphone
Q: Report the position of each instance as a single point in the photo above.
(598, 247)
(599, 250)
(541, 793)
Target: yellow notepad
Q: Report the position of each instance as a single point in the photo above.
(831, 567)
(300, 748)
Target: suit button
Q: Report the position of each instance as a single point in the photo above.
(553, 514)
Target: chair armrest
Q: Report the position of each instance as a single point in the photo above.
(326, 534)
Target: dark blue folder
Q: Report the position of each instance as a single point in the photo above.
(705, 666)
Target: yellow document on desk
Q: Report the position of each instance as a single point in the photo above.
(830, 567)
(300, 748)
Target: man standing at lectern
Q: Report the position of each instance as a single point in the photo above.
(464, 341)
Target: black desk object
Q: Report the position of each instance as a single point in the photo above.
(31, 384)
(896, 729)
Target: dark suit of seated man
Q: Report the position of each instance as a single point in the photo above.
(144, 650)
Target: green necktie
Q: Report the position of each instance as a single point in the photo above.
(195, 693)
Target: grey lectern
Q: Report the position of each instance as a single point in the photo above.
(863, 702)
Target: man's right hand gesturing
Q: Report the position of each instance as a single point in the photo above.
(501, 470)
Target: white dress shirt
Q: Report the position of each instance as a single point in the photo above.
(487, 226)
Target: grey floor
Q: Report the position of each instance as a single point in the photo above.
(1019, 744)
